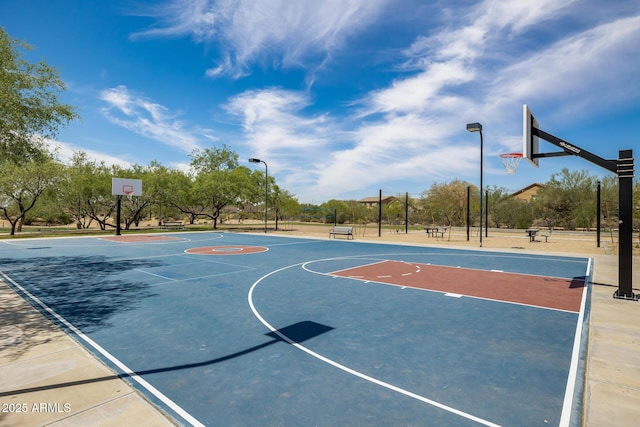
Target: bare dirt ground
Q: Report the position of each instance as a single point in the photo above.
(516, 240)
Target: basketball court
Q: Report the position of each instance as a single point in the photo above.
(242, 329)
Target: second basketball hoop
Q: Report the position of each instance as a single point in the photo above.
(511, 162)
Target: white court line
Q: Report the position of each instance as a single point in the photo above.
(124, 368)
(450, 294)
(349, 370)
(155, 275)
(565, 418)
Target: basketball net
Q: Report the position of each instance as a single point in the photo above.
(128, 191)
(511, 162)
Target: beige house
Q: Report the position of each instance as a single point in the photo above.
(370, 202)
(528, 193)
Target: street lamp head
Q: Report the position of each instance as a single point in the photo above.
(474, 127)
(254, 160)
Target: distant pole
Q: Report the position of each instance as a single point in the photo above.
(406, 213)
(598, 215)
(380, 214)
(468, 209)
(486, 214)
(335, 217)
(480, 187)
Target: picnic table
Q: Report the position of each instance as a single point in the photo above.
(533, 232)
(436, 231)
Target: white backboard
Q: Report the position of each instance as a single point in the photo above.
(529, 141)
(126, 187)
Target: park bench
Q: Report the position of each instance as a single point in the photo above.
(176, 225)
(342, 231)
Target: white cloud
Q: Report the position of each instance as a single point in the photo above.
(148, 119)
(178, 18)
(65, 152)
(580, 68)
(284, 32)
(277, 130)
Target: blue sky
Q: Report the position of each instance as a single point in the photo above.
(342, 98)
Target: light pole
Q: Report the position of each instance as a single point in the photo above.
(477, 127)
(266, 187)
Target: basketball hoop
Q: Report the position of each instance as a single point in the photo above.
(511, 162)
(128, 191)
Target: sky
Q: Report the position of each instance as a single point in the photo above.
(342, 98)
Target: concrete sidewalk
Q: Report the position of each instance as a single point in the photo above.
(47, 378)
(612, 383)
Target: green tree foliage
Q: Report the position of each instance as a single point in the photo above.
(334, 211)
(568, 200)
(165, 187)
(507, 211)
(287, 204)
(395, 211)
(446, 204)
(30, 110)
(86, 191)
(219, 182)
(22, 185)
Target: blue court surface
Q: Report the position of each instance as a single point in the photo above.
(224, 329)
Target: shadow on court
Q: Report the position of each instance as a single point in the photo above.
(85, 290)
(295, 333)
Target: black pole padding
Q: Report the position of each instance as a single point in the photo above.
(118, 203)
(625, 225)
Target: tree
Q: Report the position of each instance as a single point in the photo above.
(30, 110)
(164, 186)
(22, 185)
(508, 211)
(447, 203)
(568, 200)
(219, 182)
(86, 191)
(287, 204)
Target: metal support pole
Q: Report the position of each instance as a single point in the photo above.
(118, 204)
(486, 214)
(468, 209)
(598, 215)
(380, 214)
(481, 187)
(625, 225)
(266, 193)
(406, 213)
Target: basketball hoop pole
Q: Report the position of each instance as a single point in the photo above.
(624, 169)
(119, 200)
